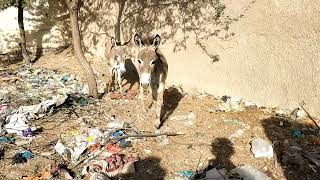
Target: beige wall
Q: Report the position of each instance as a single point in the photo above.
(273, 58)
(269, 54)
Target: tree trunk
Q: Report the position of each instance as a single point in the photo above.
(23, 42)
(73, 6)
(118, 25)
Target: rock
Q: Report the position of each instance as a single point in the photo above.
(230, 104)
(298, 113)
(186, 119)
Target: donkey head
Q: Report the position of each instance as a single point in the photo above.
(118, 55)
(146, 58)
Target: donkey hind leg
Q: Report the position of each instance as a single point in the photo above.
(158, 94)
(119, 79)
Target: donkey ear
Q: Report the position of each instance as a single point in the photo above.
(113, 42)
(156, 41)
(137, 40)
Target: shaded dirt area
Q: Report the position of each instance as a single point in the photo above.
(209, 139)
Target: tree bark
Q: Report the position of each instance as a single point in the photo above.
(117, 29)
(73, 6)
(23, 42)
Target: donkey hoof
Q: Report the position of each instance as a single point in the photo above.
(157, 125)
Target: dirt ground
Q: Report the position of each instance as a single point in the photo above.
(207, 141)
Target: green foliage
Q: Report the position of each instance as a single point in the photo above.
(4, 4)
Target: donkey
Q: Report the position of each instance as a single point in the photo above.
(152, 68)
(116, 57)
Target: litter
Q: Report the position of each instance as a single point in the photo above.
(248, 172)
(113, 148)
(17, 122)
(298, 113)
(83, 102)
(261, 148)
(64, 170)
(216, 174)
(230, 104)
(5, 110)
(7, 140)
(116, 125)
(22, 157)
(112, 166)
(186, 173)
(187, 120)
(122, 142)
(297, 133)
(28, 133)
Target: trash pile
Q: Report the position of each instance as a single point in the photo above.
(43, 88)
(102, 153)
(27, 84)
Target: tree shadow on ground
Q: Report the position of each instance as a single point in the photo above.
(293, 149)
(148, 168)
(222, 149)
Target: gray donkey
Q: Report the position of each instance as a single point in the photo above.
(116, 57)
(152, 68)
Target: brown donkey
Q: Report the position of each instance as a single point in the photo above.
(116, 57)
(152, 68)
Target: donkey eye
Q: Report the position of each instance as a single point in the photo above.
(153, 62)
(139, 61)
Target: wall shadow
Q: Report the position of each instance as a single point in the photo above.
(296, 147)
(175, 21)
(45, 16)
(222, 149)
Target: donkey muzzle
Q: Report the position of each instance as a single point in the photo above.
(145, 80)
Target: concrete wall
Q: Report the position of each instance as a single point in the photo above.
(264, 50)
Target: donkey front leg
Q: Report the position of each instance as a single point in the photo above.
(140, 96)
(159, 104)
(110, 80)
(119, 79)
